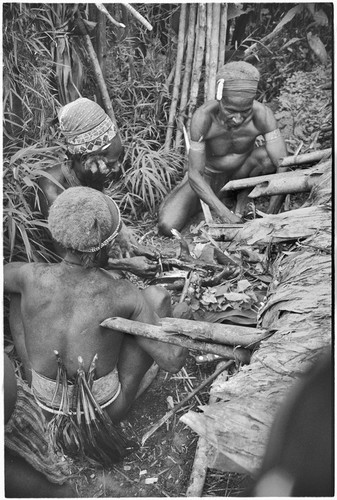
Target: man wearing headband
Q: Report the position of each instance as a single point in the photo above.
(222, 148)
(63, 305)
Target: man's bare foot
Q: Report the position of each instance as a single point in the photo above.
(148, 378)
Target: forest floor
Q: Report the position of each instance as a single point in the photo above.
(163, 465)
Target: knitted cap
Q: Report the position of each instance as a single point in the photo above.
(84, 219)
(85, 125)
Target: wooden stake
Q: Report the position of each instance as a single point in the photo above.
(182, 403)
(187, 73)
(214, 55)
(209, 19)
(222, 35)
(177, 78)
(198, 59)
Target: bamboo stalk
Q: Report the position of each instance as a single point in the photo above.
(222, 35)
(105, 11)
(294, 184)
(187, 72)
(156, 332)
(287, 177)
(209, 19)
(214, 332)
(214, 47)
(198, 59)
(96, 67)
(182, 403)
(177, 78)
(306, 158)
(138, 16)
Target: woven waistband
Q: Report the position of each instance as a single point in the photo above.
(105, 390)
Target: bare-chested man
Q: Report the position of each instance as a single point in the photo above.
(63, 304)
(223, 134)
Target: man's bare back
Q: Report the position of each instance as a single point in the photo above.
(62, 306)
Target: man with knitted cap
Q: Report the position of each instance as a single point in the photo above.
(222, 147)
(64, 304)
(93, 148)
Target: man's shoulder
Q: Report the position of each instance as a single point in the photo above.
(202, 119)
(263, 115)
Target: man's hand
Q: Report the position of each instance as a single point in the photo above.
(141, 266)
(228, 217)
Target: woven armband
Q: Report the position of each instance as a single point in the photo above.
(271, 136)
(197, 146)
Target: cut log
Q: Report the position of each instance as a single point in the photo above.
(157, 333)
(286, 178)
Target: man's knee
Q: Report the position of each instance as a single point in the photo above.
(160, 299)
(261, 163)
(164, 226)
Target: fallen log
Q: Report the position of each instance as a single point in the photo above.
(286, 178)
(156, 332)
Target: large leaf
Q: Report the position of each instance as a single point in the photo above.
(289, 16)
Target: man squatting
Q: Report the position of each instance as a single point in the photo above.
(223, 134)
(62, 306)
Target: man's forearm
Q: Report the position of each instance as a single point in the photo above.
(206, 194)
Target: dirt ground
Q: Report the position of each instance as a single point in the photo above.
(162, 467)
